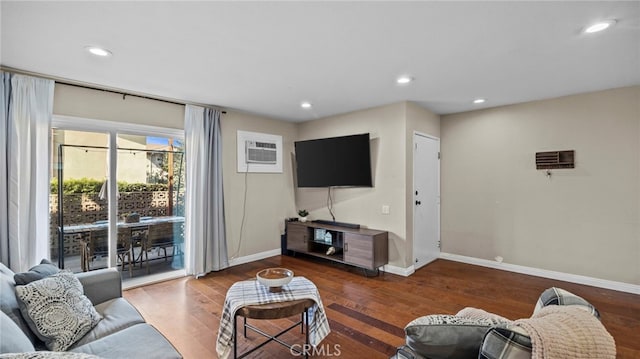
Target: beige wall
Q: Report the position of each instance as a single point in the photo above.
(386, 126)
(425, 122)
(137, 164)
(107, 106)
(582, 221)
(92, 163)
(270, 197)
(102, 105)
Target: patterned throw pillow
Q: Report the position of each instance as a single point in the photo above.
(44, 269)
(559, 296)
(57, 310)
(506, 341)
(447, 336)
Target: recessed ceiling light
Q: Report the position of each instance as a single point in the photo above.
(305, 105)
(479, 100)
(403, 80)
(599, 26)
(98, 51)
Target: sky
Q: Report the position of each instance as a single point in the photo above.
(157, 140)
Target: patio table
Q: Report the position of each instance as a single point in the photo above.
(142, 225)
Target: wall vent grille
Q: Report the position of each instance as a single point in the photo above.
(555, 159)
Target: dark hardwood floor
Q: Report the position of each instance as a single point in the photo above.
(367, 314)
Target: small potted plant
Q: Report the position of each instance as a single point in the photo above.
(132, 217)
(303, 215)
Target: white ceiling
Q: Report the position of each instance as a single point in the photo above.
(268, 57)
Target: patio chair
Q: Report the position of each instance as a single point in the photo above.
(124, 248)
(98, 246)
(138, 239)
(160, 236)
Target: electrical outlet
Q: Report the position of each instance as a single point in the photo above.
(385, 209)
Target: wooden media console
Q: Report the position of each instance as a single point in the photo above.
(364, 248)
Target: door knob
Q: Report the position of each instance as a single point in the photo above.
(418, 203)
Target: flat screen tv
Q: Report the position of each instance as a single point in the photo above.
(335, 161)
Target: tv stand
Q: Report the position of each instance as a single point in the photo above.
(364, 248)
(337, 224)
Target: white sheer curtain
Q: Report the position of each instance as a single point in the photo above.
(27, 106)
(204, 214)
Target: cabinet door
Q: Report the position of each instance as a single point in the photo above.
(297, 236)
(358, 250)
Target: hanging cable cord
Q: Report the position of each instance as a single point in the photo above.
(330, 204)
(244, 212)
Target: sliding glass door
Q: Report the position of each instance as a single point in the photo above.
(78, 198)
(130, 217)
(151, 189)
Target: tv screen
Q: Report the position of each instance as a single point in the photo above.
(335, 161)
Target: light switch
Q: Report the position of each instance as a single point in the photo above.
(385, 209)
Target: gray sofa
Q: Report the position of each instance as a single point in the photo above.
(562, 325)
(121, 333)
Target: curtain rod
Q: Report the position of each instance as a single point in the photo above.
(119, 148)
(85, 85)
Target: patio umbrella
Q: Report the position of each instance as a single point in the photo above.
(104, 191)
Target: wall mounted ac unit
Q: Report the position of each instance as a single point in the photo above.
(261, 152)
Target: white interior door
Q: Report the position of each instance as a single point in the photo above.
(426, 203)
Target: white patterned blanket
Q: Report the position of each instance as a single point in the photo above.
(253, 293)
(568, 331)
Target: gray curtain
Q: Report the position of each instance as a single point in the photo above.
(5, 96)
(204, 219)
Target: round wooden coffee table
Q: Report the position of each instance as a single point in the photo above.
(277, 310)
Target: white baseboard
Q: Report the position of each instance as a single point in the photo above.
(254, 257)
(567, 277)
(405, 272)
(131, 283)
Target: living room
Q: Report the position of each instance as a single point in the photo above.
(498, 211)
